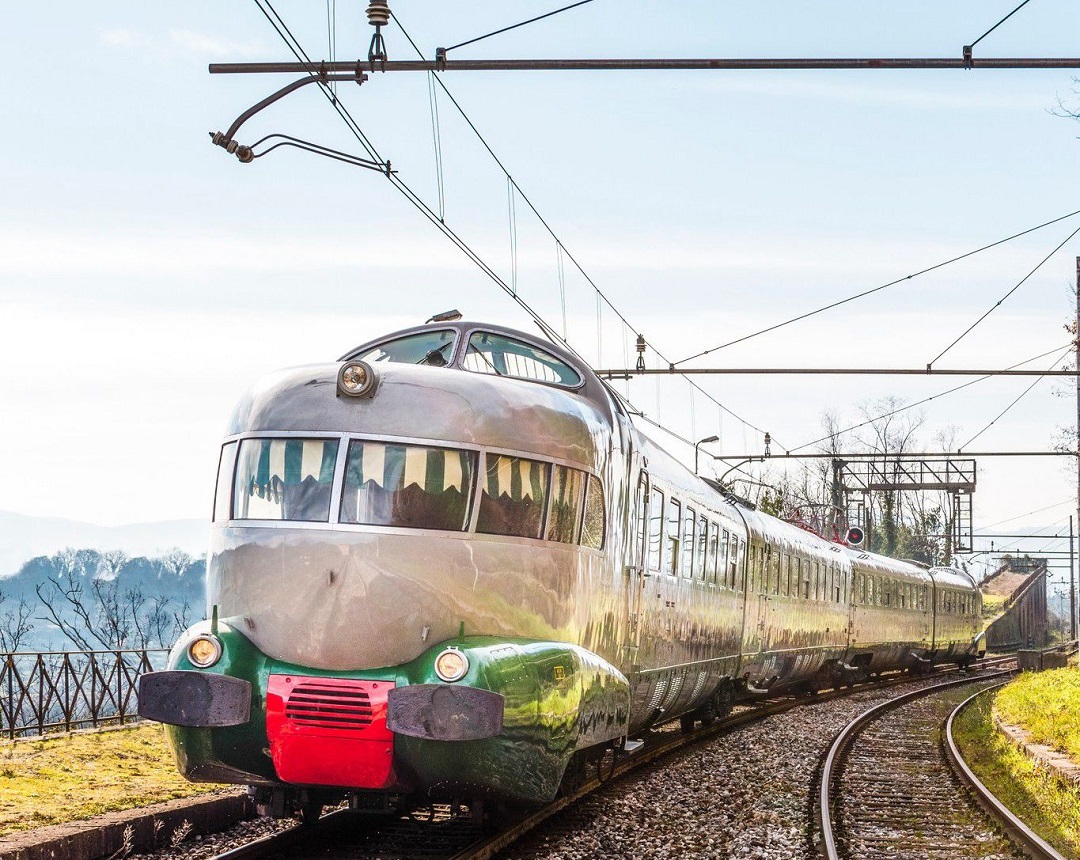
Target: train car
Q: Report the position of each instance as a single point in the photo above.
(450, 565)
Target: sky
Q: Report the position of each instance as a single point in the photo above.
(147, 277)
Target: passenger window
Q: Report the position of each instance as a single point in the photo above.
(722, 560)
(656, 529)
(566, 487)
(785, 572)
(774, 569)
(671, 533)
(700, 545)
(641, 517)
(592, 527)
(688, 542)
(736, 547)
(513, 497)
(712, 564)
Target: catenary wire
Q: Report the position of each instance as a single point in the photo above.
(865, 293)
(921, 402)
(999, 23)
(293, 44)
(515, 26)
(577, 265)
(1000, 301)
(1029, 513)
(1018, 398)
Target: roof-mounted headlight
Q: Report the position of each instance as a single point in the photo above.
(451, 665)
(356, 379)
(204, 651)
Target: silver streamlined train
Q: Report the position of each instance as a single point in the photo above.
(453, 564)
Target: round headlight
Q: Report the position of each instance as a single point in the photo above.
(451, 665)
(356, 379)
(204, 651)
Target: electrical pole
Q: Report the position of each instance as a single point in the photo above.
(1072, 569)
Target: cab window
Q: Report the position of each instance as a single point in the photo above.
(513, 496)
(433, 348)
(505, 356)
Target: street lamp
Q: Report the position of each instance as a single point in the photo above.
(704, 441)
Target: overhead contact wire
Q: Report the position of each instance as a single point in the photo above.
(924, 400)
(551, 232)
(1000, 301)
(865, 293)
(515, 26)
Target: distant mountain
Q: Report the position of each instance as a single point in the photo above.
(23, 538)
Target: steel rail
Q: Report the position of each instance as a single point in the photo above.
(488, 847)
(673, 64)
(1017, 829)
(830, 769)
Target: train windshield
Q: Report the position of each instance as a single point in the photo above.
(411, 486)
(284, 479)
(433, 348)
(504, 356)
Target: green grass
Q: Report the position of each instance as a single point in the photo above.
(992, 607)
(1047, 704)
(64, 778)
(1046, 803)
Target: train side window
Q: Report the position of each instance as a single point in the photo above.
(224, 488)
(774, 570)
(785, 572)
(721, 560)
(592, 525)
(656, 529)
(641, 517)
(513, 495)
(736, 547)
(712, 551)
(565, 510)
(700, 546)
(671, 535)
(838, 589)
(688, 542)
(807, 578)
(871, 590)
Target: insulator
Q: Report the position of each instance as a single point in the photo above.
(378, 13)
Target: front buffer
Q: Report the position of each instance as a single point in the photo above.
(506, 727)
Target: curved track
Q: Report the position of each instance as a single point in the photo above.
(458, 835)
(889, 788)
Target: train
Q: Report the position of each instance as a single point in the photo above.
(454, 565)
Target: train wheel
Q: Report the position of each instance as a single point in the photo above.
(724, 701)
(686, 723)
(310, 812)
(708, 714)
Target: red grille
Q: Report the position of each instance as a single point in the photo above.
(330, 731)
(337, 707)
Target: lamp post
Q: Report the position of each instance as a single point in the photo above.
(700, 442)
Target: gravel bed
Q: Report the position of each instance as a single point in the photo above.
(198, 846)
(743, 795)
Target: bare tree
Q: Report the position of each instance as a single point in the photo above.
(15, 624)
(175, 562)
(110, 564)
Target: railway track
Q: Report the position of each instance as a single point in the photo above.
(893, 785)
(442, 833)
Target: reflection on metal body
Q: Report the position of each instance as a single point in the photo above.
(578, 646)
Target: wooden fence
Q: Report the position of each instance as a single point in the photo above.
(65, 690)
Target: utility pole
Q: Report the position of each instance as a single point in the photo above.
(1072, 569)
(1072, 582)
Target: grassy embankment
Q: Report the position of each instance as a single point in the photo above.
(70, 777)
(1048, 705)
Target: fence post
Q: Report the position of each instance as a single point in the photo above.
(11, 693)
